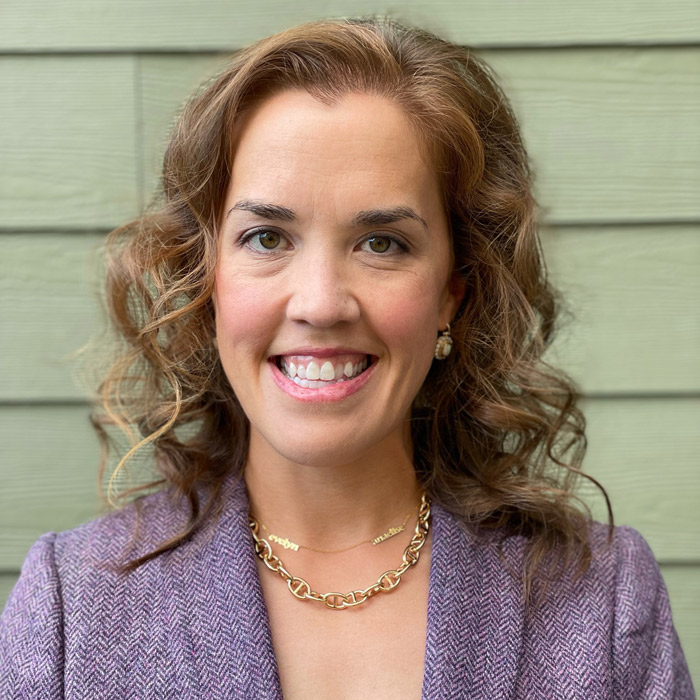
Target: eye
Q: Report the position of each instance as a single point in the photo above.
(383, 244)
(262, 240)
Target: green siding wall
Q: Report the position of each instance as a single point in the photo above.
(608, 96)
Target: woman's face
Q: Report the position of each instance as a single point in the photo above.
(333, 251)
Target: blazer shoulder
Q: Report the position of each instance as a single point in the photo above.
(649, 659)
(627, 560)
(633, 550)
(31, 628)
(129, 531)
(65, 581)
(617, 553)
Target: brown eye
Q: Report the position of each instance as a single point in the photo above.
(379, 244)
(262, 241)
(269, 239)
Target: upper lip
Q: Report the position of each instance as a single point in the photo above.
(323, 352)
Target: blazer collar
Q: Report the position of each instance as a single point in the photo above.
(474, 630)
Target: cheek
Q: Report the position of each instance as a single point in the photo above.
(244, 315)
(406, 317)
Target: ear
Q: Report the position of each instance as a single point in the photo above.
(452, 296)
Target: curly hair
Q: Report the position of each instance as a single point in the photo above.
(498, 437)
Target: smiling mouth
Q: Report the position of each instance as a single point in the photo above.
(318, 373)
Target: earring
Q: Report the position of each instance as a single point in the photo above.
(443, 346)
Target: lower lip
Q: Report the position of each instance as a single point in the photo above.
(326, 394)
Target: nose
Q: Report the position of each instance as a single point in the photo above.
(322, 289)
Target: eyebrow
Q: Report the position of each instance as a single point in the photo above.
(367, 217)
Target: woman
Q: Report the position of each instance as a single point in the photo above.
(333, 327)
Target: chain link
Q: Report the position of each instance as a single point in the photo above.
(301, 589)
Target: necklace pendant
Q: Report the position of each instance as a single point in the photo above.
(389, 533)
(287, 544)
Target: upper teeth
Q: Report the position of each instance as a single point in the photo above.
(327, 371)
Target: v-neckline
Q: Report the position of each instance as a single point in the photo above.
(470, 606)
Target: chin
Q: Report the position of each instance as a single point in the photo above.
(317, 453)
(313, 456)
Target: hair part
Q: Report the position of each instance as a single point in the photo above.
(498, 437)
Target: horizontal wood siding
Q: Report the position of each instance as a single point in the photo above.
(68, 142)
(177, 25)
(602, 127)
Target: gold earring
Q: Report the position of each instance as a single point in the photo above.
(443, 346)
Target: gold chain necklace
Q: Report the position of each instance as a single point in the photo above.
(288, 544)
(301, 589)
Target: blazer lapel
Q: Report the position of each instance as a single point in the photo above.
(475, 617)
(474, 630)
(231, 641)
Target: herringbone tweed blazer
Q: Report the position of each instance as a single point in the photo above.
(193, 623)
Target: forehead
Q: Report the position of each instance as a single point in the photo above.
(362, 147)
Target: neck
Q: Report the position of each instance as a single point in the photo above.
(334, 505)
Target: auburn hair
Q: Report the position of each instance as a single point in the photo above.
(498, 437)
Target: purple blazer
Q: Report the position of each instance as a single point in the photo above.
(193, 622)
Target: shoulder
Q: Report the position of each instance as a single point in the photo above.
(638, 575)
(31, 628)
(621, 553)
(65, 569)
(70, 597)
(129, 531)
(58, 564)
(617, 614)
(94, 550)
(618, 554)
(622, 558)
(621, 582)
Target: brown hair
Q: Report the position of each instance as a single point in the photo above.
(498, 438)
